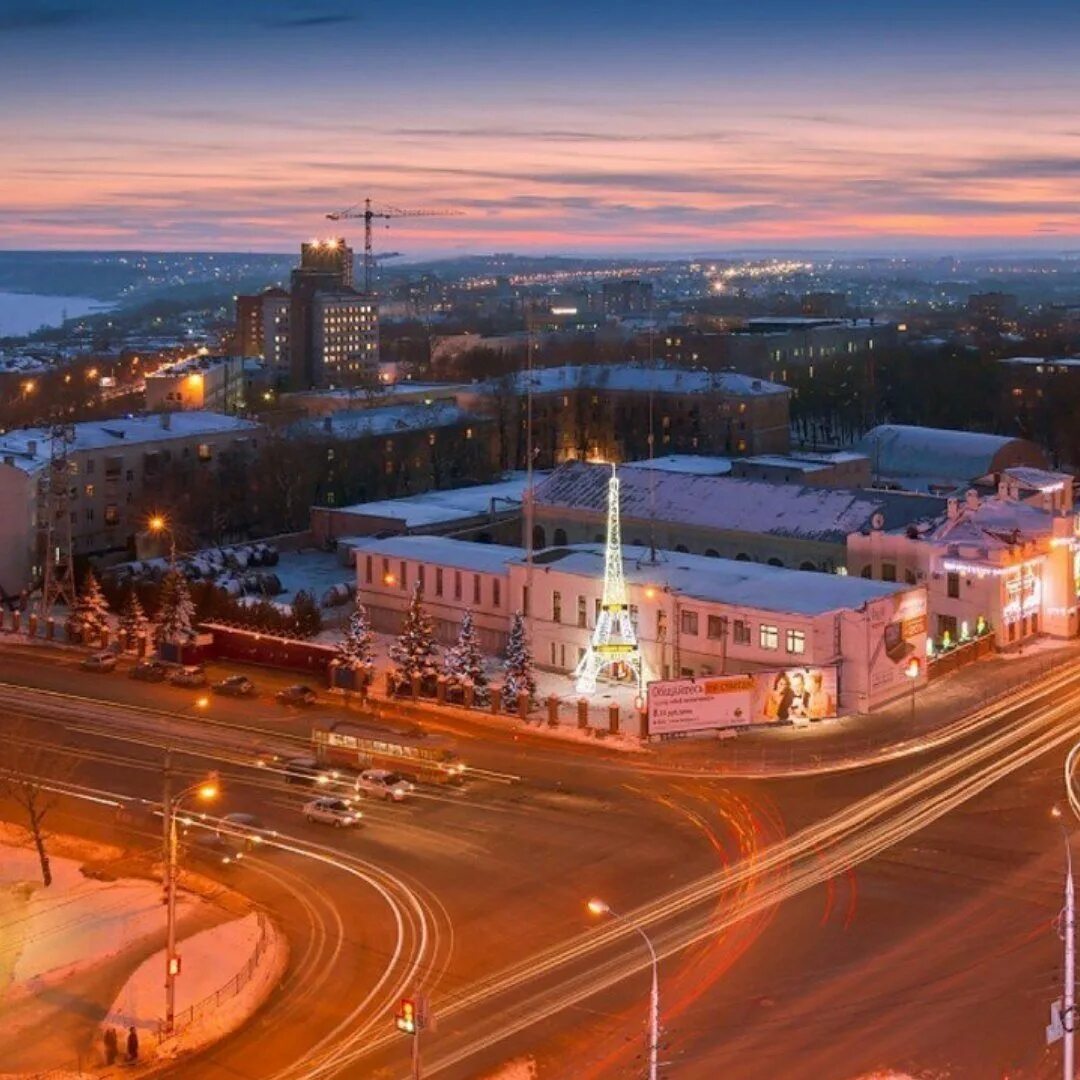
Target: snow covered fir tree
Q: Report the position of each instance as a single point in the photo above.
(89, 617)
(463, 663)
(133, 622)
(414, 652)
(357, 649)
(519, 666)
(176, 615)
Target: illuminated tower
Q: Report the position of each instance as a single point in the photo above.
(614, 643)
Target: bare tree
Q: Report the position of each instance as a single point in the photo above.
(30, 770)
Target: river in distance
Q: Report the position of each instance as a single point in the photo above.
(23, 313)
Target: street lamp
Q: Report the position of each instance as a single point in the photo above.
(206, 789)
(158, 524)
(1068, 999)
(601, 907)
(912, 672)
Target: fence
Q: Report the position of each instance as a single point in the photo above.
(223, 993)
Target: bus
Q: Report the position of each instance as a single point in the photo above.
(416, 755)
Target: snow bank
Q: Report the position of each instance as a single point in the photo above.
(212, 961)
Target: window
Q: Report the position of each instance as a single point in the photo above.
(688, 622)
(89, 490)
(457, 584)
(717, 627)
(438, 581)
(525, 600)
(740, 632)
(867, 571)
(952, 586)
(90, 515)
(661, 625)
(888, 571)
(420, 576)
(496, 593)
(89, 466)
(556, 606)
(476, 588)
(204, 452)
(768, 637)
(582, 616)
(909, 577)
(559, 539)
(553, 654)
(795, 641)
(112, 514)
(403, 569)
(367, 570)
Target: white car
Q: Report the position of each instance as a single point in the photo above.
(384, 784)
(331, 811)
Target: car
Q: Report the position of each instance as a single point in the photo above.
(297, 695)
(139, 812)
(99, 661)
(216, 850)
(149, 671)
(383, 784)
(332, 811)
(303, 770)
(247, 828)
(191, 675)
(235, 686)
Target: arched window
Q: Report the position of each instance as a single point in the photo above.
(682, 548)
(867, 571)
(539, 536)
(742, 557)
(559, 538)
(775, 562)
(712, 553)
(807, 566)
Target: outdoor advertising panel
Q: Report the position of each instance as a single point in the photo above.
(794, 695)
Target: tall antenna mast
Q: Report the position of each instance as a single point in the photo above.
(652, 454)
(529, 518)
(54, 524)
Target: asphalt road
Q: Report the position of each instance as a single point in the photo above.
(816, 928)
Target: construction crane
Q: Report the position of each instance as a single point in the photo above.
(369, 214)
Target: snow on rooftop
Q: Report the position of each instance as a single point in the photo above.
(193, 365)
(1039, 479)
(385, 420)
(727, 581)
(735, 505)
(783, 461)
(436, 507)
(939, 453)
(701, 464)
(440, 551)
(30, 447)
(1041, 361)
(642, 377)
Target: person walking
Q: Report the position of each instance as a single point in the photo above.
(112, 1045)
(132, 1044)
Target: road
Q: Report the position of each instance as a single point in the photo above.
(729, 878)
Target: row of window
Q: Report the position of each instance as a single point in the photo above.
(401, 579)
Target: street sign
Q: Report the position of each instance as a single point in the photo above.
(1055, 1029)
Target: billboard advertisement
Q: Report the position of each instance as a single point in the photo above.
(898, 627)
(794, 695)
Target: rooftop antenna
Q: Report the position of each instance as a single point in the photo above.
(529, 516)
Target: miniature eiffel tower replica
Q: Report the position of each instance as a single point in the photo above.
(614, 643)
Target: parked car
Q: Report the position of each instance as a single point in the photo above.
(331, 811)
(192, 675)
(99, 661)
(297, 695)
(248, 828)
(149, 671)
(217, 850)
(235, 686)
(383, 784)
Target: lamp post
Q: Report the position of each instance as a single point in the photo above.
(159, 523)
(599, 907)
(1068, 997)
(205, 789)
(912, 672)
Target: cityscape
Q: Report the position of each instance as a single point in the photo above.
(539, 543)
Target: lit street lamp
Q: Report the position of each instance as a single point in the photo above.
(912, 672)
(206, 789)
(599, 907)
(158, 524)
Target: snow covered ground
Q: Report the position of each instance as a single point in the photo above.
(211, 960)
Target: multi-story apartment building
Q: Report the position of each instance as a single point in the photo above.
(216, 383)
(262, 329)
(345, 339)
(627, 297)
(112, 466)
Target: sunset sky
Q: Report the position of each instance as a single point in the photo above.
(596, 126)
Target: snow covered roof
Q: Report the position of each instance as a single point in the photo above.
(643, 378)
(437, 507)
(1042, 361)
(733, 505)
(385, 420)
(194, 365)
(994, 523)
(899, 450)
(1039, 479)
(700, 464)
(783, 461)
(726, 581)
(440, 551)
(30, 447)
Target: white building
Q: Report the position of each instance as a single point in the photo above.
(694, 615)
(198, 382)
(1011, 560)
(111, 463)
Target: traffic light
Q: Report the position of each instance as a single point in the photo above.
(406, 1017)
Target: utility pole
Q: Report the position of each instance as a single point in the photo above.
(168, 818)
(1063, 1011)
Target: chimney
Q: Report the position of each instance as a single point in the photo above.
(953, 508)
(971, 499)
(166, 421)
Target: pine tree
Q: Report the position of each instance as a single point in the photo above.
(414, 651)
(177, 612)
(307, 619)
(519, 666)
(357, 650)
(464, 662)
(90, 615)
(133, 621)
